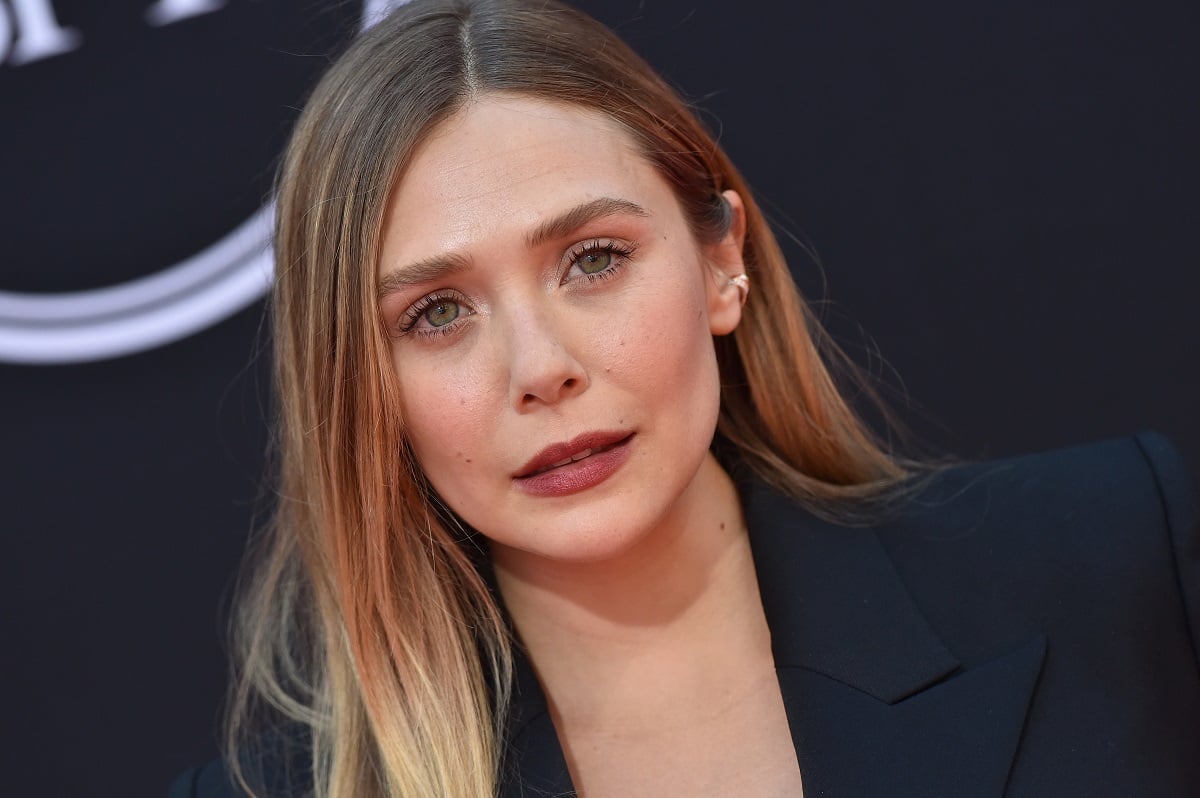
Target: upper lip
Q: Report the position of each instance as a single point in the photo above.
(558, 452)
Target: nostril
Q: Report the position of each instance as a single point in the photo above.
(569, 382)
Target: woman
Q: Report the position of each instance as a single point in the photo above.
(564, 483)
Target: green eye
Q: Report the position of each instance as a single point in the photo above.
(441, 313)
(594, 262)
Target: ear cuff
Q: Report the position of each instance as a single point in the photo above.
(742, 281)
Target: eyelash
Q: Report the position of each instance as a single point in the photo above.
(412, 316)
(621, 254)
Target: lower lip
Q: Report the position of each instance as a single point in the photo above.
(579, 475)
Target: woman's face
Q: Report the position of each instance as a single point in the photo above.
(551, 321)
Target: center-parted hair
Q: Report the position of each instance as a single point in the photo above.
(372, 657)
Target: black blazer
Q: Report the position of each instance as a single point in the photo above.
(1026, 627)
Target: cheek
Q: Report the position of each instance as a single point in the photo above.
(444, 417)
(664, 332)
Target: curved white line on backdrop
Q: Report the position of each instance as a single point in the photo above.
(150, 311)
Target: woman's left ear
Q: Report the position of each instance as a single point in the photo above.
(728, 285)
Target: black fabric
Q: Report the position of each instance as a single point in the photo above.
(1025, 627)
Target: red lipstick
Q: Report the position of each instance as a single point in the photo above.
(578, 464)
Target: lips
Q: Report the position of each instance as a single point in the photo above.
(579, 448)
(568, 468)
(573, 458)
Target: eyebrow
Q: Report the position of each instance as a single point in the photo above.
(441, 266)
(581, 214)
(423, 271)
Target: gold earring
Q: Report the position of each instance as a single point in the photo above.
(742, 281)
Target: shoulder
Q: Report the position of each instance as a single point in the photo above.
(205, 781)
(275, 763)
(1098, 486)
(1098, 534)
(1120, 492)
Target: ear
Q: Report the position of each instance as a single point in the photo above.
(724, 261)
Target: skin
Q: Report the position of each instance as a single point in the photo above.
(637, 595)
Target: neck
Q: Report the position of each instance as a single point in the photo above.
(676, 613)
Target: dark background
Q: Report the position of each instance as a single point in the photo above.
(1002, 196)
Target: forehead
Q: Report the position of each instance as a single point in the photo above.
(502, 164)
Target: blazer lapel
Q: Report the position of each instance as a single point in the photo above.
(877, 705)
(534, 765)
(957, 738)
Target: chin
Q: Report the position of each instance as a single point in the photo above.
(583, 542)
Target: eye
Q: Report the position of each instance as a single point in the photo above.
(441, 313)
(593, 262)
(597, 259)
(434, 314)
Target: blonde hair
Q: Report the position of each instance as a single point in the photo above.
(365, 621)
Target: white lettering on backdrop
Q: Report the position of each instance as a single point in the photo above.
(164, 12)
(179, 300)
(30, 31)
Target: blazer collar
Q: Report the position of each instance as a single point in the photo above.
(876, 702)
(835, 604)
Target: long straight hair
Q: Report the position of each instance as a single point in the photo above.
(364, 618)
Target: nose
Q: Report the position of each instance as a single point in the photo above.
(543, 370)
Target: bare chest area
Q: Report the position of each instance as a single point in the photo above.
(740, 747)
